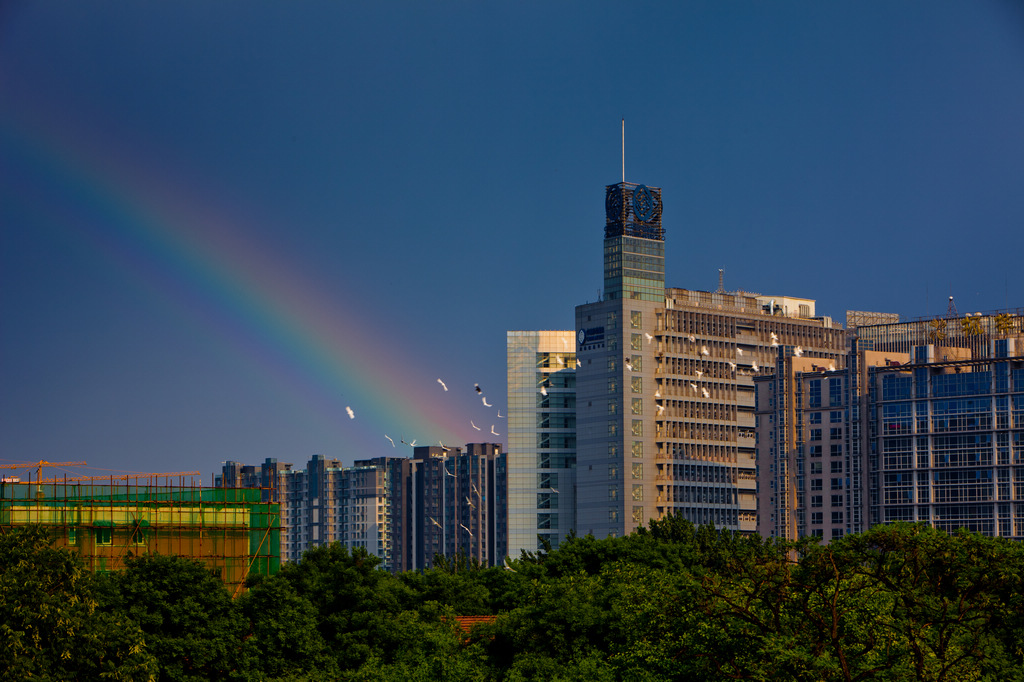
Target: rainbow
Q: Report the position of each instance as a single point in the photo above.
(322, 349)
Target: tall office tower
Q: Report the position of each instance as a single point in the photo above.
(458, 498)
(664, 391)
(541, 438)
(811, 454)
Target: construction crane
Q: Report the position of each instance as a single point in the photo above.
(38, 466)
(124, 477)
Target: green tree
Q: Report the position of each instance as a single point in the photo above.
(190, 622)
(49, 626)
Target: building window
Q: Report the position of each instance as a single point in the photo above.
(638, 427)
(637, 406)
(835, 417)
(613, 515)
(638, 514)
(814, 418)
(638, 492)
(613, 406)
(837, 467)
(613, 385)
(837, 500)
(613, 492)
(613, 429)
(638, 448)
(636, 341)
(636, 319)
(815, 434)
(837, 517)
(815, 484)
(835, 433)
(638, 470)
(611, 364)
(638, 363)
(613, 449)
(837, 484)
(816, 500)
(814, 393)
(815, 468)
(613, 471)
(816, 518)
(636, 384)
(104, 536)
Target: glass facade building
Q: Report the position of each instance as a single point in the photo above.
(541, 438)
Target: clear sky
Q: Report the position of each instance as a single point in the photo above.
(222, 223)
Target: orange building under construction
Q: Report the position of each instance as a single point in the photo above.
(231, 530)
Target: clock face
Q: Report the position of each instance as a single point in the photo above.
(644, 204)
(581, 336)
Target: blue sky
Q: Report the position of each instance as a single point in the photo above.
(223, 223)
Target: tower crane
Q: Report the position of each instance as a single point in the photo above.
(38, 466)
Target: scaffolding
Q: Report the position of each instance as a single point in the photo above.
(231, 530)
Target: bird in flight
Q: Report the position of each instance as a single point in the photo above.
(351, 414)
(433, 521)
(704, 350)
(705, 392)
(500, 415)
(477, 387)
(739, 351)
(493, 432)
(649, 337)
(693, 386)
(661, 409)
(389, 440)
(755, 367)
(486, 404)
(798, 351)
(543, 391)
(474, 425)
(693, 339)
(443, 385)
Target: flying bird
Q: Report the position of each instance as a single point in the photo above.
(443, 385)
(443, 447)
(705, 392)
(700, 373)
(661, 409)
(500, 415)
(739, 351)
(486, 404)
(831, 367)
(693, 386)
(732, 364)
(755, 367)
(798, 351)
(649, 337)
(434, 521)
(657, 394)
(477, 387)
(351, 414)
(693, 339)
(704, 350)
(447, 473)
(578, 363)
(629, 365)
(389, 440)
(467, 530)
(474, 425)
(543, 391)
(493, 432)
(413, 443)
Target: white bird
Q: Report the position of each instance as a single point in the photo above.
(831, 367)
(704, 350)
(561, 362)
(649, 337)
(474, 425)
(470, 503)
(693, 339)
(507, 567)
(443, 385)
(467, 530)
(700, 373)
(443, 447)
(434, 521)
(413, 443)
(705, 392)
(739, 352)
(732, 364)
(775, 344)
(661, 408)
(755, 367)
(629, 365)
(798, 351)
(493, 432)
(693, 386)
(351, 414)
(389, 440)
(486, 404)
(578, 364)
(500, 415)
(775, 337)
(446, 472)
(657, 394)
(543, 391)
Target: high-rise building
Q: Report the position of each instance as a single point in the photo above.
(541, 438)
(403, 510)
(907, 431)
(664, 388)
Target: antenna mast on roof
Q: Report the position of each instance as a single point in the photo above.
(721, 281)
(623, 148)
